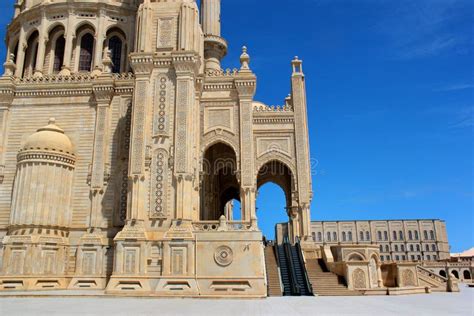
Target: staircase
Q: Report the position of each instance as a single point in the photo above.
(324, 282)
(273, 278)
(435, 282)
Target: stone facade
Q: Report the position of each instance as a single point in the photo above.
(129, 189)
(398, 240)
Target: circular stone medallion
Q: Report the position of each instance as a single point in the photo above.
(224, 256)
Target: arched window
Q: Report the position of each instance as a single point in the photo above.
(411, 248)
(442, 273)
(379, 235)
(425, 234)
(343, 236)
(115, 48)
(320, 237)
(432, 235)
(417, 247)
(328, 236)
(381, 248)
(314, 236)
(394, 235)
(385, 235)
(334, 236)
(467, 275)
(416, 235)
(419, 257)
(387, 249)
(349, 234)
(433, 247)
(400, 234)
(455, 273)
(396, 247)
(402, 247)
(410, 235)
(59, 54)
(404, 258)
(86, 52)
(427, 247)
(361, 235)
(367, 235)
(397, 258)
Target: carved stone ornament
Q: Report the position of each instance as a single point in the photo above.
(224, 256)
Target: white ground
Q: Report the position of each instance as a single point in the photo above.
(422, 304)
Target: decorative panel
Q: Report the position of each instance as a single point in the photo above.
(278, 144)
(219, 118)
(166, 35)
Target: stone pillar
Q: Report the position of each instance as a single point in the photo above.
(302, 146)
(103, 92)
(42, 40)
(69, 36)
(186, 66)
(142, 65)
(20, 58)
(99, 44)
(246, 85)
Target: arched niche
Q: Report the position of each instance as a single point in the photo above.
(219, 182)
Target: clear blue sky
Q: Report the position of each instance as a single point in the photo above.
(390, 102)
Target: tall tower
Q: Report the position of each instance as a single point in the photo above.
(215, 47)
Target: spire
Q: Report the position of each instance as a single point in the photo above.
(215, 47)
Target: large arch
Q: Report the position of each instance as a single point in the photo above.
(277, 172)
(455, 273)
(442, 273)
(219, 181)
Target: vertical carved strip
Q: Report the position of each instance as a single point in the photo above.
(138, 146)
(181, 127)
(159, 185)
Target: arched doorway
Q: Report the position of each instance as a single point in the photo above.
(466, 275)
(219, 181)
(442, 273)
(455, 273)
(275, 185)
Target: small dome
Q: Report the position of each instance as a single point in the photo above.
(50, 138)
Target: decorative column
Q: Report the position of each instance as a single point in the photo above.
(302, 147)
(186, 66)
(20, 58)
(103, 93)
(42, 40)
(69, 37)
(99, 44)
(246, 84)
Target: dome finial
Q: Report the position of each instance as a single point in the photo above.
(51, 121)
(244, 59)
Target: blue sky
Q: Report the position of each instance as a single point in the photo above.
(390, 102)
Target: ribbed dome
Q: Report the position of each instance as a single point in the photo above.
(50, 138)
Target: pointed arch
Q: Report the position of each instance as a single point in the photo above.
(116, 43)
(31, 53)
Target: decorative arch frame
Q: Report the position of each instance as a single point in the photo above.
(54, 35)
(81, 29)
(115, 30)
(355, 255)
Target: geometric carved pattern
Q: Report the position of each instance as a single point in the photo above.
(215, 118)
(159, 125)
(408, 278)
(160, 184)
(138, 146)
(273, 144)
(224, 256)
(166, 33)
(358, 278)
(182, 126)
(123, 176)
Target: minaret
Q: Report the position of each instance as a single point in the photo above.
(215, 47)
